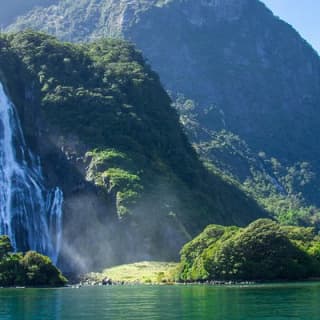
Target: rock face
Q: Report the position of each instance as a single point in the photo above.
(247, 72)
(11, 9)
(91, 19)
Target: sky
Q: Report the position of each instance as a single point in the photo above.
(303, 15)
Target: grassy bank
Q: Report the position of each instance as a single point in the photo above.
(140, 272)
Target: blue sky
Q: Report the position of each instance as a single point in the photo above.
(303, 15)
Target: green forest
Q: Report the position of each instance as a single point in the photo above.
(264, 250)
(26, 269)
(133, 148)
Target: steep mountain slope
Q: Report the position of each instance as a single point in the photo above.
(106, 134)
(246, 71)
(11, 9)
(280, 187)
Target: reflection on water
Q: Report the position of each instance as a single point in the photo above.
(276, 302)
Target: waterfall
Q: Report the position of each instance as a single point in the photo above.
(30, 214)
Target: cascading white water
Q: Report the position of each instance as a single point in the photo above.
(30, 214)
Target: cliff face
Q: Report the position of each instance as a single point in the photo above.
(106, 134)
(91, 19)
(245, 71)
(11, 9)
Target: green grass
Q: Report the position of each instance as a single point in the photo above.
(140, 272)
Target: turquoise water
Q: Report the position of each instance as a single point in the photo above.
(276, 302)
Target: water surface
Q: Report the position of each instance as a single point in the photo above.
(277, 302)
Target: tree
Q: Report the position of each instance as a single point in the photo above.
(30, 269)
(5, 246)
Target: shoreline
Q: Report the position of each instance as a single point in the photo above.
(195, 283)
(214, 283)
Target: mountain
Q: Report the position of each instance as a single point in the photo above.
(244, 73)
(11, 9)
(104, 130)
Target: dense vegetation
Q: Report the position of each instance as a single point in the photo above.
(107, 96)
(106, 114)
(262, 251)
(277, 186)
(29, 269)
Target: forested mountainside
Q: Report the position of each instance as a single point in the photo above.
(106, 134)
(248, 76)
(280, 187)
